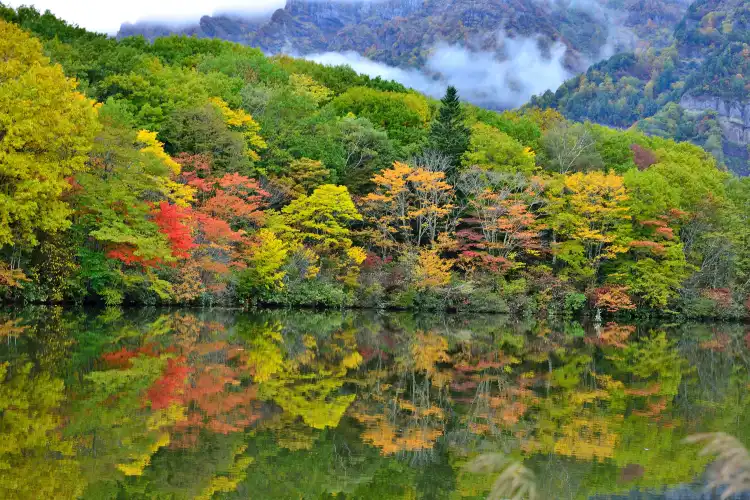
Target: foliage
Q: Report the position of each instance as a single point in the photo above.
(403, 116)
(210, 174)
(46, 132)
(448, 133)
(204, 131)
(410, 206)
(432, 271)
(496, 151)
(304, 175)
(320, 220)
(265, 258)
(587, 211)
(571, 148)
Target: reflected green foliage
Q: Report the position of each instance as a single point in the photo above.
(220, 404)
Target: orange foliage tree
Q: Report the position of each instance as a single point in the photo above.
(502, 225)
(410, 206)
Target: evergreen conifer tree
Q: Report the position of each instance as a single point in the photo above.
(449, 134)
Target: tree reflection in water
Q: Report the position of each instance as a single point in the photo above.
(282, 404)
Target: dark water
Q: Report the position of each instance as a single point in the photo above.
(288, 405)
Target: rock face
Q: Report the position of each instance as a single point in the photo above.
(696, 89)
(734, 116)
(342, 12)
(734, 119)
(403, 32)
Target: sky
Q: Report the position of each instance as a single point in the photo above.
(106, 16)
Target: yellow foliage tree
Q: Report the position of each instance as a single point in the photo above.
(152, 146)
(265, 257)
(589, 218)
(432, 271)
(321, 219)
(545, 118)
(242, 122)
(154, 156)
(305, 85)
(409, 206)
(46, 132)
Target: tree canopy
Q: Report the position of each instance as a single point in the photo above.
(196, 171)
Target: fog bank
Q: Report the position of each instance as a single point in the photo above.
(481, 78)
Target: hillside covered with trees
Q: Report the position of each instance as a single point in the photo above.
(196, 171)
(697, 89)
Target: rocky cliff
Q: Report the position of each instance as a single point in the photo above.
(733, 116)
(403, 32)
(705, 72)
(341, 13)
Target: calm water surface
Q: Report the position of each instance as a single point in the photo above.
(150, 403)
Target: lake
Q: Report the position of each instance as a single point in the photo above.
(154, 403)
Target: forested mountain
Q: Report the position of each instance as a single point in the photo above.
(197, 171)
(696, 89)
(405, 32)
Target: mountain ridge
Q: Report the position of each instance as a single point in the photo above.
(696, 89)
(403, 33)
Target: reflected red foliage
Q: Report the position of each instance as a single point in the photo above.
(122, 358)
(169, 387)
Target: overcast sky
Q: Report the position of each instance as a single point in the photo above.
(107, 15)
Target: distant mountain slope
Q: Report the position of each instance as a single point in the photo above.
(697, 89)
(404, 32)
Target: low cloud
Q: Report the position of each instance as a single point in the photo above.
(487, 81)
(409, 77)
(482, 78)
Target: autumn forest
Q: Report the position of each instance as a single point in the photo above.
(225, 274)
(200, 172)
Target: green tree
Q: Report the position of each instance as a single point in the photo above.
(403, 116)
(202, 130)
(449, 133)
(496, 151)
(571, 148)
(366, 151)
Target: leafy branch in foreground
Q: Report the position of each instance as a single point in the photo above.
(731, 469)
(515, 482)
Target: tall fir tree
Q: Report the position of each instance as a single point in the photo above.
(449, 134)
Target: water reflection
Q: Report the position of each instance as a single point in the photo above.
(280, 405)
